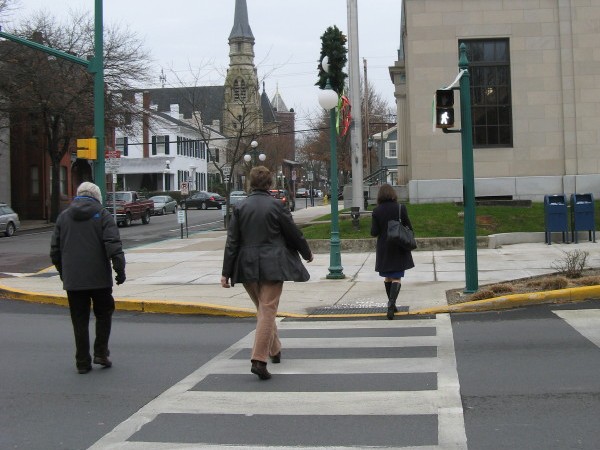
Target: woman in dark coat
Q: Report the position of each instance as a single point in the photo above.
(262, 251)
(390, 260)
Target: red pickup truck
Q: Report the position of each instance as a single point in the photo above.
(129, 206)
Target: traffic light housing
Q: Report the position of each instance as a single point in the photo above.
(444, 108)
(87, 148)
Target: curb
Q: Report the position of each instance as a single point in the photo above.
(561, 296)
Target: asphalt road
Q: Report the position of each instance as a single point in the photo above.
(28, 250)
(504, 380)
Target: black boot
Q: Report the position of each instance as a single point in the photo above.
(391, 307)
(388, 285)
(259, 368)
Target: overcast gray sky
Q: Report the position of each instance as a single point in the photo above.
(193, 33)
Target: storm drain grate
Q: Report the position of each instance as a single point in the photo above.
(355, 309)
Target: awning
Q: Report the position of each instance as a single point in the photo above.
(156, 164)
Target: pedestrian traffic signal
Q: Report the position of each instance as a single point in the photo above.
(444, 108)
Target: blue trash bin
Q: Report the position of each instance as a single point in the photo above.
(556, 217)
(582, 216)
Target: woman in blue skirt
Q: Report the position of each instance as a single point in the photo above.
(390, 260)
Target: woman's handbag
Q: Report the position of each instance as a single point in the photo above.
(400, 235)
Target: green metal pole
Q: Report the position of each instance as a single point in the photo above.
(468, 174)
(335, 258)
(98, 71)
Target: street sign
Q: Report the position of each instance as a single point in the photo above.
(112, 161)
(226, 170)
(181, 216)
(310, 176)
(185, 190)
(294, 175)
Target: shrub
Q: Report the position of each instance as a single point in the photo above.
(501, 288)
(482, 295)
(572, 264)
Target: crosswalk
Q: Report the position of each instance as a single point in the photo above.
(341, 384)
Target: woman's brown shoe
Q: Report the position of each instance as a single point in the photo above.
(259, 368)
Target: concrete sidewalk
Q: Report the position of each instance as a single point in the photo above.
(183, 276)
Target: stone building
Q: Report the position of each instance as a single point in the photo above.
(534, 68)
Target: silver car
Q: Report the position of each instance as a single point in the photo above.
(9, 220)
(164, 204)
(236, 196)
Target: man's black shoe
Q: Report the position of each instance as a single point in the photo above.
(276, 359)
(83, 370)
(103, 361)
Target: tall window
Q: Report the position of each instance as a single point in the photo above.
(34, 176)
(390, 151)
(160, 145)
(489, 66)
(239, 90)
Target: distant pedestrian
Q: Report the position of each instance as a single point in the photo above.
(262, 251)
(390, 260)
(84, 243)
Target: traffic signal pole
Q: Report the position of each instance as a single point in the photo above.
(444, 118)
(472, 283)
(94, 66)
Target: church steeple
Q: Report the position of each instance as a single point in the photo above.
(241, 27)
(242, 97)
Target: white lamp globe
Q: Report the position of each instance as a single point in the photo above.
(325, 64)
(253, 144)
(262, 156)
(328, 98)
(247, 158)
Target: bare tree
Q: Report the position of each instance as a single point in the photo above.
(241, 124)
(59, 93)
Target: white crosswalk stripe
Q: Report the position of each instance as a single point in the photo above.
(438, 406)
(585, 321)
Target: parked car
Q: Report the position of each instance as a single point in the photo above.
(302, 193)
(236, 196)
(281, 194)
(205, 200)
(129, 206)
(9, 220)
(164, 204)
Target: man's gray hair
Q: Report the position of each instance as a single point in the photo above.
(87, 189)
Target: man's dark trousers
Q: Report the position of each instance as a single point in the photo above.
(79, 305)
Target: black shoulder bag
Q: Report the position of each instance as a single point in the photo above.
(399, 234)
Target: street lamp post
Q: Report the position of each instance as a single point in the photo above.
(328, 100)
(254, 154)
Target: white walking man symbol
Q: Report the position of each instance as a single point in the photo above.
(444, 118)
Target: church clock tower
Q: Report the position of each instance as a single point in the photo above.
(242, 113)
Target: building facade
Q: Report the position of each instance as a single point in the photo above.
(534, 70)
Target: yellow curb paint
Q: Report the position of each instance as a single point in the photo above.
(27, 296)
(171, 307)
(129, 305)
(195, 308)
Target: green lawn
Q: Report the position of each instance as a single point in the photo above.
(444, 220)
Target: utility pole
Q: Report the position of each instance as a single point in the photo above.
(356, 126)
(367, 131)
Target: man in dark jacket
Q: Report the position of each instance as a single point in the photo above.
(262, 251)
(85, 241)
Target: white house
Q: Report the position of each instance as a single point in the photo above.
(166, 151)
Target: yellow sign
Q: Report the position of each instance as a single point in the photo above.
(87, 148)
